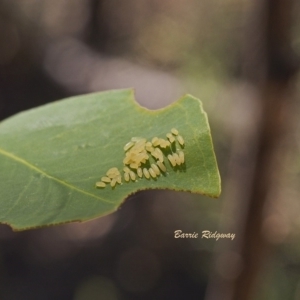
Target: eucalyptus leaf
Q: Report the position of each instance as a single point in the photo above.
(52, 156)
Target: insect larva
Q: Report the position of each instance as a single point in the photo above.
(177, 159)
(126, 176)
(155, 169)
(180, 140)
(119, 179)
(172, 160)
(181, 156)
(100, 184)
(113, 182)
(174, 131)
(140, 172)
(106, 179)
(128, 146)
(132, 175)
(152, 173)
(161, 166)
(146, 173)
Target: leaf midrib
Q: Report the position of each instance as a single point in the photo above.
(38, 170)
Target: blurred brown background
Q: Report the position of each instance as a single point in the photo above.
(240, 59)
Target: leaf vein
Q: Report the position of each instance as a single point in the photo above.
(36, 169)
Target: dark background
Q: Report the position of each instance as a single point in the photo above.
(235, 56)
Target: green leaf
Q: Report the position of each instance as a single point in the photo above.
(52, 156)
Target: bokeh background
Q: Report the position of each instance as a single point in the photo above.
(223, 52)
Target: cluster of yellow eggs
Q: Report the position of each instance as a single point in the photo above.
(138, 152)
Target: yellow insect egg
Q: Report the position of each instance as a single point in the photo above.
(181, 156)
(155, 141)
(161, 141)
(140, 172)
(164, 144)
(146, 173)
(154, 154)
(132, 175)
(170, 137)
(158, 151)
(106, 179)
(177, 159)
(128, 146)
(134, 166)
(100, 184)
(136, 139)
(174, 131)
(149, 149)
(161, 166)
(152, 173)
(126, 169)
(140, 144)
(159, 155)
(112, 172)
(126, 176)
(143, 161)
(180, 140)
(172, 160)
(113, 182)
(126, 160)
(155, 169)
(119, 179)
